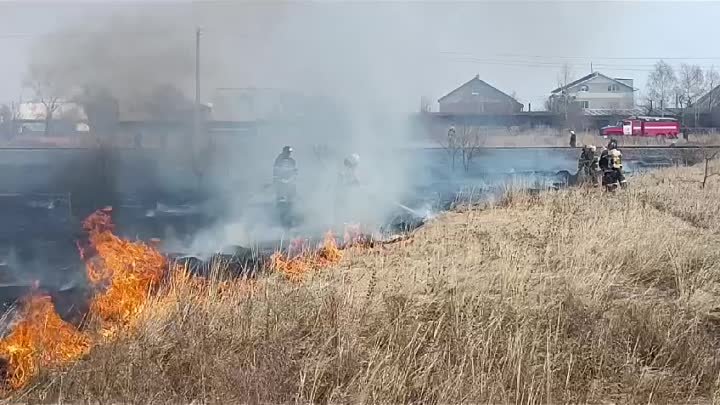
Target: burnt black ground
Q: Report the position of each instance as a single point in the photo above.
(44, 195)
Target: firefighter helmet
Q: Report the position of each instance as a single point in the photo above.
(615, 159)
(352, 160)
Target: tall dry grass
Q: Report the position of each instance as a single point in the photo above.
(566, 297)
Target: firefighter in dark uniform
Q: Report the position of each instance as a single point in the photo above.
(588, 165)
(284, 174)
(611, 165)
(573, 139)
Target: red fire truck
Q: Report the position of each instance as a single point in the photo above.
(644, 126)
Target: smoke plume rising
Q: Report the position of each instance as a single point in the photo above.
(352, 73)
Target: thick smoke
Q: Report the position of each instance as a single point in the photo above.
(343, 63)
(354, 71)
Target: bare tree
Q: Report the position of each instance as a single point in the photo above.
(691, 85)
(560, 102)
(469, 144)
(49, 88)
(661, 84)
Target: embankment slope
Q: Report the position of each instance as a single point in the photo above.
(570, 296)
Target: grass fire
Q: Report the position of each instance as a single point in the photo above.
(511, 300)
(123, 275)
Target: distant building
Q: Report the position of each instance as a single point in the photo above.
(706, 110)
(478, 97)
(710, 101)
(596, 92)
(63, 110)
(264, 104)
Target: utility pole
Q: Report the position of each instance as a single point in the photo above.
(197, 84)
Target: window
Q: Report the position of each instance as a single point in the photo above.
(584, 87)
(584, 104)
(613, 88)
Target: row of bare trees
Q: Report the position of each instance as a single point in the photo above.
(682, 89)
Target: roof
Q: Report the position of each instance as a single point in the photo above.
(589, 77)
(477, 79)
(628, 112)
(705, 99)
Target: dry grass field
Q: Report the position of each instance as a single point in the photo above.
(564, 297)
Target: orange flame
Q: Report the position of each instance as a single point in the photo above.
(123, 274)
(40, 339)
(127, 270)
(296, 268)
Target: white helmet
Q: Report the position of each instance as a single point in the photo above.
(352, 160)
(592, 148)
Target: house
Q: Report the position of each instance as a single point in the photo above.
(265, 104)
(478, 97)
(710, 101)
(706, 111)
(596, 92)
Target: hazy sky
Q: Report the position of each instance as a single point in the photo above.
(392, 51)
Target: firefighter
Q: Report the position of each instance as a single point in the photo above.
(348, 182)
(612, 144)
(588, 164)
(582, 160)
(611, 164)
(284, 173)
(451, 137)
(285, 166)
(616, 166)
(573, 139)
(348, 174)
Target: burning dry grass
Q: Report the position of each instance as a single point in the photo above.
(40, 339)
(297, 265)
(573, 296)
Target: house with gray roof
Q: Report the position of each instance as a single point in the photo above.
(597, 91)
(476, 97)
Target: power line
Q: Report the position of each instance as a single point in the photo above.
(593, 57)
(556, 65)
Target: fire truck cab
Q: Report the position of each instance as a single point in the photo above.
(643, 126)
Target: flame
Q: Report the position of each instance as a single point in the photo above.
(297, 267)
(127, 271)
(329, 253)
(40, 339)
(123, 275)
